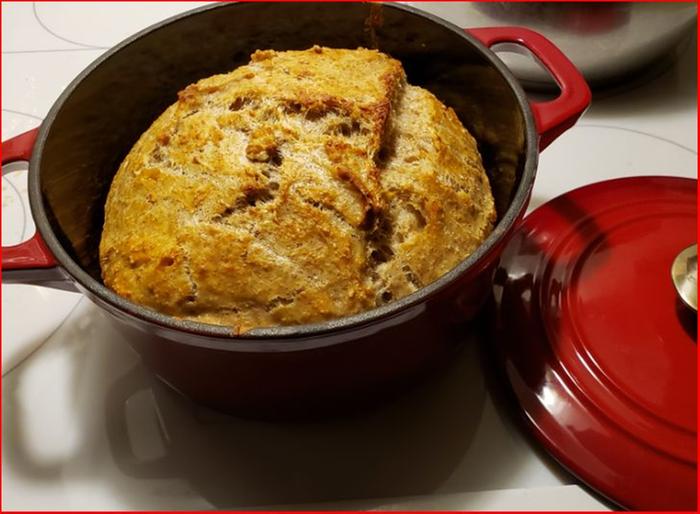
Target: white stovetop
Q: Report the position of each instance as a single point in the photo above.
(86, 427)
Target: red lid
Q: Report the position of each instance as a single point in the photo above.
(600, 351)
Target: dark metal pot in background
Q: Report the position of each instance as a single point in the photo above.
(283, 371)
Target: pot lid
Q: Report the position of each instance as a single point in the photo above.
(598, 348)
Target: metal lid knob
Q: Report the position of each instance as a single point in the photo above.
(684, 273)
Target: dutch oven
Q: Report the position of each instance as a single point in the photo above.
(282, 371)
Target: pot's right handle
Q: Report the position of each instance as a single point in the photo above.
(552, 117)
(30, 262)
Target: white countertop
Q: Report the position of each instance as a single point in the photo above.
(86, 426)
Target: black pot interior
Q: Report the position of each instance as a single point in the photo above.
(107, 110)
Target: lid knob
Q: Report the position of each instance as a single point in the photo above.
(684, 272)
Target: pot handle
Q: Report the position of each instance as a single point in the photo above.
(552, 117)
(29, 262)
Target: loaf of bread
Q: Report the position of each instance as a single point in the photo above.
(304, 186)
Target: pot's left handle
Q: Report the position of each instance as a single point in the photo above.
(29, 262)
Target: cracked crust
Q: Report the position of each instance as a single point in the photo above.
(305, 186)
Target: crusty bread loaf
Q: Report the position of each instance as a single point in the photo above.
(304, 186)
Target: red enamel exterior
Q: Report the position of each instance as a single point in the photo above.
(600, 352)
(19, 148)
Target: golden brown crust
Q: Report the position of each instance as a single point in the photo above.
(305, 186)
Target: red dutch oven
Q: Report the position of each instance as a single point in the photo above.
(296, 370)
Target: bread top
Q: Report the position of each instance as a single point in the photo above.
(304, 186)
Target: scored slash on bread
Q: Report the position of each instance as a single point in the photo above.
(304, 186)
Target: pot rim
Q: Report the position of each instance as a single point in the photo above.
(281, 333)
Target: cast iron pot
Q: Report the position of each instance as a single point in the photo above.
(283, 371)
